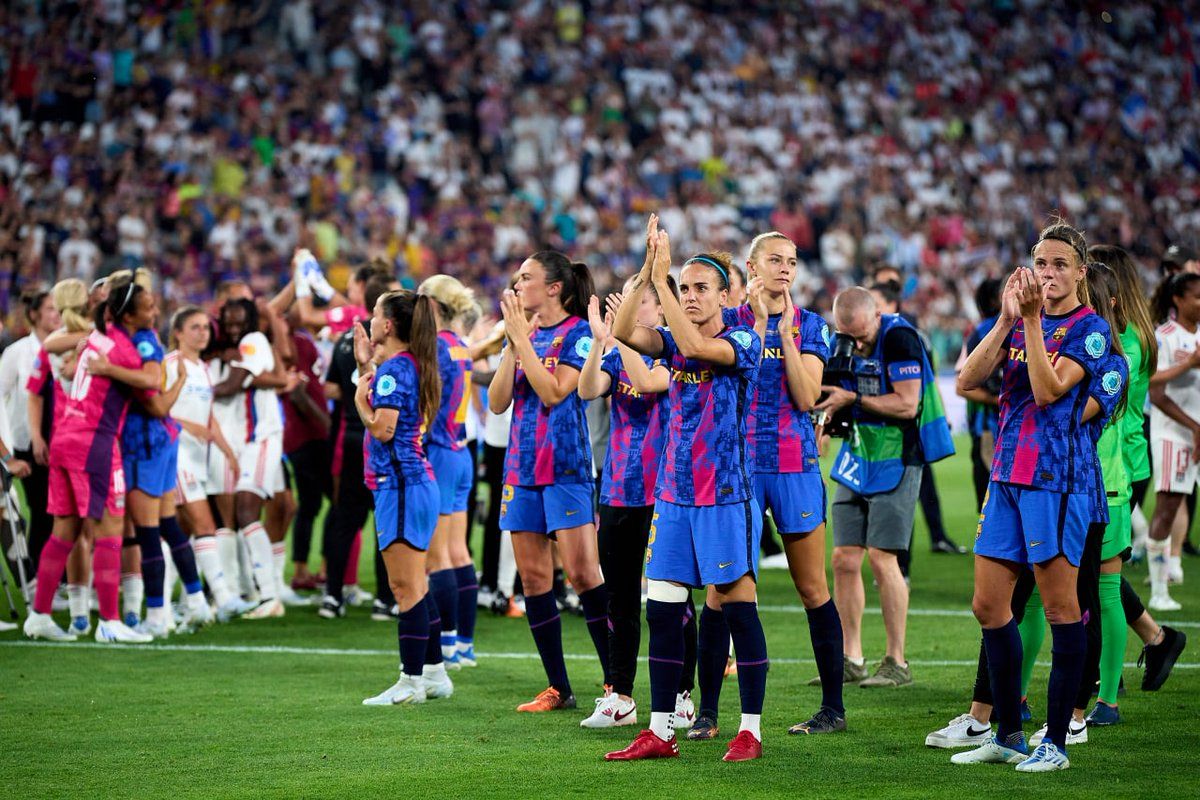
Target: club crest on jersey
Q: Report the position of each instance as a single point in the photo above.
(825, 334)
(583, 346)
(1094, 344)
(386, 385)
(145, 349)
(743, 339)
(1111, 382)
(1059, 334)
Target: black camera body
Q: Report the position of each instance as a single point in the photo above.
(839, 371)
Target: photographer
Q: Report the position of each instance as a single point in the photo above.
(895, 428)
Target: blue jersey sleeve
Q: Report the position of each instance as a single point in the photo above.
(669, 348)
(1087, 343)
(395, 385)
(149, 348)
(576, 345)
(611, 366)
(747, 348)
(1108, 384)
(814, 335)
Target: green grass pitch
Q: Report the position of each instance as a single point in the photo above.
(224, 714)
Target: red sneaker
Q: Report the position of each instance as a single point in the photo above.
(744, 747)
(646, 745)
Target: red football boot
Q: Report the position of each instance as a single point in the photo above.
(744, 747)
(646, 745)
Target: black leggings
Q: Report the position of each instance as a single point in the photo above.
(311, 464)
(493, 476)
(349, 514)
(623, 535)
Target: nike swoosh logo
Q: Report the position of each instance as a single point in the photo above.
(726, 564)
(572, 513)
(618, 716)
(1034, 544)
(806, 514)
(973, 732)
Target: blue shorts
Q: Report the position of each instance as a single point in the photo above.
(546, 509)
(153, 476)
(454, 471)
(796, 499)
(703, 545)
(1032, 526)
(407, 514)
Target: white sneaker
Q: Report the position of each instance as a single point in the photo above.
(1175, 575)
(43, 626)
(437, 683)
(1163, 603)
(234, 607)
(155, 629)
(356, 596)
(963, 731)
(611, 712)
(408, 690)
(113, 630)
(195, 618)
(685, 711)
(290, 598)
(266, 610)
(777, 561)
(1076, 734)
(990, 752)
(1046, 758)
(484, 598)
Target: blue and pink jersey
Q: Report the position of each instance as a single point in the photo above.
(780, 436)
(550, 445)
(402, 460)
(637, 436)
(94, 413)
(144, 434)
(449, 429)
(1049, 447)
(704, 462)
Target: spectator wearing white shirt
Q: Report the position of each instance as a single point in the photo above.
(78, 256)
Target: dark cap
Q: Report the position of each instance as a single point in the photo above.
(1177, 255)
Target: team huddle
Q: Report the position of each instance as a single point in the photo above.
(178, 464)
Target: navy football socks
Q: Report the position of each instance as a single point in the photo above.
(825, 630)
(1066, 671)
(1004, 655)
(412, 631)
(595, 614)
(153, 568)
(546, 626)
(181, 553)
(750, 646)
(468, 593)
(666, 652)
(712, 654)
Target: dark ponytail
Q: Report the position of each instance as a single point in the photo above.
(122, 299)
(575, 277)
(415, 323)
(1168, 290)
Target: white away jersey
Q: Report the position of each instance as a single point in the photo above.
(1175, 345)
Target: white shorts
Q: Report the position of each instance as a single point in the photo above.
(1174, 469)
(221, 479)
(191, 472)
(261, 467)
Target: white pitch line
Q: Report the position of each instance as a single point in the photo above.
(951, 612)
(338, 651)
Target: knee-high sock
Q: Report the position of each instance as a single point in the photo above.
(51, 564)
(468, 594)
(444, 588)
(153, 571)
(1003, 646)
(208, 560)
(412, 631)
(825, 630)
(666, 662)
(546, 627)
(278, 565)
(1113, 636)
(227, 550)
(595, 613)
(712, 652)
(433, 647)
(1033, 633)
(1131, 603)
(750, 645)
(262, 560)
(1066, 669)
(182, 554)
(687, 680)
(106, 575)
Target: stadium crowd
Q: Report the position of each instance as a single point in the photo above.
(318, 206)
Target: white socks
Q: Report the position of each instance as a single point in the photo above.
(208, 559)
(1158, 559)
(662, 724)
(506, 570)
(262, 560)
(752, 723)
(227, 551)
(169, 572)
(278, 563)
(132, 591)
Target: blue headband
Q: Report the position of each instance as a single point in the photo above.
(712, 264)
